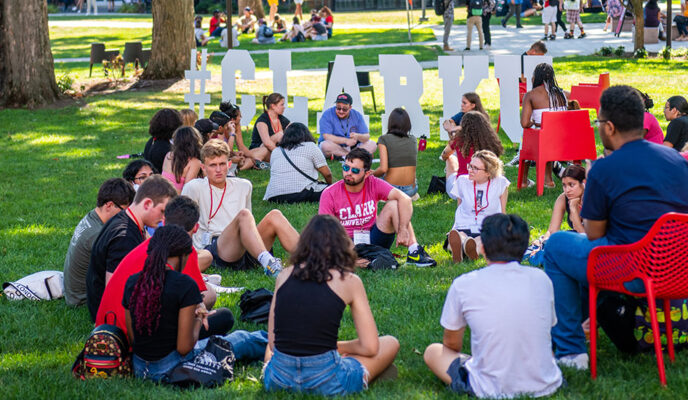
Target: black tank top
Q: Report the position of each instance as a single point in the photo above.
(307, 317)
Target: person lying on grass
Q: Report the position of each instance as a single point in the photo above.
(304, 353)
(226, 227)
(509, 309)
(480, 193)
(165, 311)
(353, 201)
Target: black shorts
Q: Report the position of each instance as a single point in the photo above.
(459, 376)
(380, 238)
(246, 261)
(468, 233)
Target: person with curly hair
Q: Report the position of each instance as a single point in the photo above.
(475, 133)
(183, 163)
(546, 95)
(469, 102)
(161, 128)
(305, 314)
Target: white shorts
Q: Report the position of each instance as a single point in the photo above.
(549, 15)
(298, 1)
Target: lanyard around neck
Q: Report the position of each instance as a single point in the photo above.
(475, 199)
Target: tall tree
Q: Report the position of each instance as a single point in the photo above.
(256, 7)
(173, 39)
(639, 37)
(27, 78)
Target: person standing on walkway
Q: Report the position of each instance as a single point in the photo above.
(549, 18)
(514, 9)
(488, 8)
(573, 9)
(475, 12)
(91, 4)
(448, 21)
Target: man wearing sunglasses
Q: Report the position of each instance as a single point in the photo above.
(342, 129)
(353, 201)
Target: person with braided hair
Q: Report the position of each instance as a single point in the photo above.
(165, 310)
(546, 95)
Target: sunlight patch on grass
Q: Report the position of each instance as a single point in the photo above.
(51, 139)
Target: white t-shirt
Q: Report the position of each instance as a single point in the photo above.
(488, 201)
(198, 33)
(510, 311)
(571, 4)
(236, 197)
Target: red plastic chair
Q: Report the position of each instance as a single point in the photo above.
(564, 135)
(588, 94)
(659, 260)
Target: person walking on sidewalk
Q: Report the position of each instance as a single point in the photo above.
(573, 9)
(448, 17)
(488, 8)
(514, 9)
(475, 12)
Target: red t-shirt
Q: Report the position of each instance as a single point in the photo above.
(329, 19)
(214, 23)
(130, 265)
(463, 161)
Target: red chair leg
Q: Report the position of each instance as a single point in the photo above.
(540, 177)
(520, 172)
(593, 331)
(669, 330)
(655, 332)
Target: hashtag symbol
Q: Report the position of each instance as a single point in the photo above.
(201, 98)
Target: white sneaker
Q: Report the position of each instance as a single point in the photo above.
(513, 162)
(577, 361)
(215, 279)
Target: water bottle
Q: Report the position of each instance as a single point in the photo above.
(422, 143)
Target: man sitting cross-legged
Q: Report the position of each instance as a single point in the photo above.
(342, 128)
(622, 201)
(184, 212)
(226, 226)
(509, 309)
(114, 195)
(353, 201)
(123, 233)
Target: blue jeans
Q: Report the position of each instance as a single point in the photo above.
(325, 374)
(409, 190)
(247, 346)
(566, 261)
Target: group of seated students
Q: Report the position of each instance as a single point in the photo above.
(121, 260)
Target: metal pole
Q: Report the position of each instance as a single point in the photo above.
(408, 21)
(668, 30)
(228, 24)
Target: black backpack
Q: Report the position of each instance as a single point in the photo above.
(476, 7)
(440, 7)
(378, 256)
(255, 305)
(267, 32)
(105, 353)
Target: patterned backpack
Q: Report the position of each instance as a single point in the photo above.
(105, 354)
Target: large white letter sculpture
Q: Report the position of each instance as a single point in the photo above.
(475, 69)
(529, 64)
(394, 67)
(202, 98)
(279, 62)
(233, 61)
(343, 78)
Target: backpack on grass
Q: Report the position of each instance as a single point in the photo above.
(267, 32)
(255, 305)
(105, 354)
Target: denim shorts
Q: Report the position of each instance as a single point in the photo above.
(410, 190)
(324, 374)
(156, 370)
(459, 376)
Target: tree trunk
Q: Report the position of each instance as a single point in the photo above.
(27, 77)
(173, 39)
(256, 7)
(639, 38)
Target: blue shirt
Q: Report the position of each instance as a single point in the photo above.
(633, 187)
(330, 123)
(457, 118)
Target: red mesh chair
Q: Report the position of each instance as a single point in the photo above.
(563, 135)
(588, 94)
(659, 260)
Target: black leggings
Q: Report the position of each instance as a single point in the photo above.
(559, 22)
(486, 28)
(219, 323)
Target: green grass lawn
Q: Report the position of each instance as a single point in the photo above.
(55, 159)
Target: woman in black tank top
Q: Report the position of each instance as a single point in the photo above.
(304, 352)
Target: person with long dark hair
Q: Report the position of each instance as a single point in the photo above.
(269, 127)
(183, 163)
(398, 151)
(138, 171)
(469, 102)
(546, 95)
(165, 311)
(161, 128)
(306, 311)
(243, 155)
(653, 132)
(294, 168)
(676, 112)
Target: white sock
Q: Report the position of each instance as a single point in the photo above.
(412, 248)
(265, 258)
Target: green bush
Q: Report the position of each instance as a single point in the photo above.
(64, 82)
(665, 53)
(640, 53)
(208, 6)
(132, 8)
(53, 9)
(620, 51)
(605, 51)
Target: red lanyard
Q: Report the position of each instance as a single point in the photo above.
(475, 199)
(211, 215)
(353, 209)
(131, 213)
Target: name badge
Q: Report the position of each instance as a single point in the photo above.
(205, 239)
(361, 236)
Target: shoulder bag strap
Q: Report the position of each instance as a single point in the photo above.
(295, 167)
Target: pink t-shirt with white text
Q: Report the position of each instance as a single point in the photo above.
(354, 215)
(654, 132)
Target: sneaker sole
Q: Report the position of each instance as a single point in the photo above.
(455, 246)
(471, 249)
(421, 265)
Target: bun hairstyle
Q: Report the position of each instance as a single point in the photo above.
(574, 171)
(272, 98)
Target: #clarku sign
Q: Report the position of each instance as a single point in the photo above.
(403, 85)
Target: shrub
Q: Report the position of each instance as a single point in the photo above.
(132, 8)
(665, 53)
(64, 82)
(53, 9)
(208, 6)
(640, 53)
(605, 51)
(620, 51)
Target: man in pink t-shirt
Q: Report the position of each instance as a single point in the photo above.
(353, 201)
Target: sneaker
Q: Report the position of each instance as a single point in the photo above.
(568, 36)
(454, 240)
(420, 258)
(546, 37)
(558, 169)
(467, 49)
(577, 361)
(470, 247)
(273, 268)
(513, 162)
(582, 35)
(552, 37)
(503, 23)
(519, 26)
(215, 279)
(447, 48)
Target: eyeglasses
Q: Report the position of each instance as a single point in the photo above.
(474, 168)
(118, 206)
(342, 108)
(347, 168)
(141, 178)
(600, 121)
